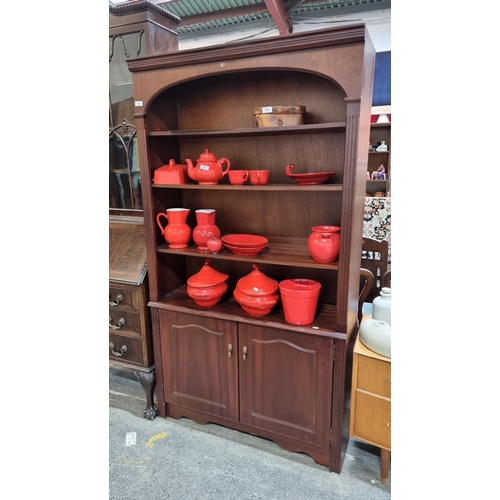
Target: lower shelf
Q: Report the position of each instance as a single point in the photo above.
(228, 309)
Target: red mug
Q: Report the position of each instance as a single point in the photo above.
(258, 176)
(238, 177)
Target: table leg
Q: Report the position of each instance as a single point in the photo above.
(148, 382)
(385, 458)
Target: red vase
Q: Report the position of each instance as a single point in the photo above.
(206, 228)
(324, 244)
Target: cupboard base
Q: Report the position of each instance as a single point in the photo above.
(319, 455)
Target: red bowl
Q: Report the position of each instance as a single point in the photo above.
(244, 240)
(256, 306)
(207, 296)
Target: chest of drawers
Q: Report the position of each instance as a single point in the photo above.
(130, 337)
(371, 402)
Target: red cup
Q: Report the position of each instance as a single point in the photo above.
(237, 177)
(258, 177)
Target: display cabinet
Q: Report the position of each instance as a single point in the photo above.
(379, 187)
(259, 375)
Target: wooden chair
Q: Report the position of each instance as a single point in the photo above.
(386, 279)
(366, 284)
(374, 257)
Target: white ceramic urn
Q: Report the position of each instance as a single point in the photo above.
(376, 335)
(382, 306)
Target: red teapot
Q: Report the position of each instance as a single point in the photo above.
(208, 169)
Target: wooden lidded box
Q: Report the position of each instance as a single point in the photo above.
(277, 116)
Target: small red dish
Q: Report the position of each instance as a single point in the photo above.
(308, 179)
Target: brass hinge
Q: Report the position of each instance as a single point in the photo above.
(333, 351)
(331, 436)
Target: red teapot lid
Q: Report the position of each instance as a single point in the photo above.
(207, 156)
(207, 276)
(257, 283)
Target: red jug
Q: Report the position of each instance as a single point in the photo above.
(176, 232)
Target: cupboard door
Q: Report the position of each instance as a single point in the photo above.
(202, 368)
(286, 383)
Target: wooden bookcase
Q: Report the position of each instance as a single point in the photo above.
(283, 382)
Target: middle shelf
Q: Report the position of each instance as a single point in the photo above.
(277, 253)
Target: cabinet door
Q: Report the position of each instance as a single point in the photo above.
(286, 383)
(201, 371)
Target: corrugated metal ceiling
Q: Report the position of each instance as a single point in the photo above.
(211, 16)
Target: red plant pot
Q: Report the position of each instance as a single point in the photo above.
(299, 298)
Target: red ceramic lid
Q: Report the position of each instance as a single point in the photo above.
(207, 156)
(207, 276)
(256, 283)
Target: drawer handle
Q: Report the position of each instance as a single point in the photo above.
(119, 298)
(229, 350)
(121, 322)
(245, 350)
(122, 350)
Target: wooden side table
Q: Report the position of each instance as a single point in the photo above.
(371, 402)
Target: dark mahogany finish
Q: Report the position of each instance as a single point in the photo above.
(259, 374)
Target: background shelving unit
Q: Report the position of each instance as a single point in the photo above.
(379, 132)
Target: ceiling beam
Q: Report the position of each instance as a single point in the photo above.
(279, 16)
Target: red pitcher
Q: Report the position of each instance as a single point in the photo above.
(324, 244)
(205, 228)
(176, 232)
